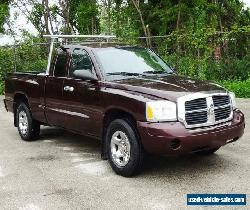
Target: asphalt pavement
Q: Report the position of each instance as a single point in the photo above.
(65, 171)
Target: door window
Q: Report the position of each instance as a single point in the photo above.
(60, 64)
(80, 61)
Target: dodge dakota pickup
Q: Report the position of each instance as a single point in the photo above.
(129, 99)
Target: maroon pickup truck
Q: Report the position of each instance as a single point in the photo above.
(127, 97)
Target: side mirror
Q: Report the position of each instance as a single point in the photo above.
(85, 75)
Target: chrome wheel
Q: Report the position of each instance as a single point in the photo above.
(23, 122)
(120, 148)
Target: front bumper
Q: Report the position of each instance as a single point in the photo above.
(173, 138)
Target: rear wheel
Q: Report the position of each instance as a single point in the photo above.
(207, 152)
(28, 128)
(125, 152)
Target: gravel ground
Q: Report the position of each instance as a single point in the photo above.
(65, 171)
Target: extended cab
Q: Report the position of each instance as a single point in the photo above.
(127, 97)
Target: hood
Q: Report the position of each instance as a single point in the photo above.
(168, 87)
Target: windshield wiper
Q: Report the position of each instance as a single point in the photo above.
(157, 72)
(124, 74)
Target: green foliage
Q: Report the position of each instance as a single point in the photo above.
(229, 68)
(36, 16)
(188, 66)
(31, 58)
(4, 10)
(240, 88)
(6, 65)
(83, 15)
(1, 87)
(6, 62)
(28, 57)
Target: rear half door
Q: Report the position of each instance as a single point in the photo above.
(55, 113)
(81, 97)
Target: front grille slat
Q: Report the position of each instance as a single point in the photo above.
(221, 100)
(193, 108)
(196, 104)
(222, 113)
(196, 117)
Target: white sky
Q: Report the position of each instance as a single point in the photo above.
(247, 2)
(22, 23)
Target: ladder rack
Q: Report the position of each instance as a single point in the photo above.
(79, 36)
(54, 37)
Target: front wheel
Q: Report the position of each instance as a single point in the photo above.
(125, 151)
(28, 128)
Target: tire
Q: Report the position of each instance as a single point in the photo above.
(28, 128)
(125, 152)
(207, 152)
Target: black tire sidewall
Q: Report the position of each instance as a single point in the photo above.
(134, 164)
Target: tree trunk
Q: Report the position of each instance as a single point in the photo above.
(178, 19)
(118, 12)
(178, 24)
(108, 4)
(64, 4)
(137, 6)
(45, 4)
(109, 16)
(92, 25)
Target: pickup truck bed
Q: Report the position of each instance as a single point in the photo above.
(28, 84)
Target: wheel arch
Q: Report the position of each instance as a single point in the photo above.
(109, 116)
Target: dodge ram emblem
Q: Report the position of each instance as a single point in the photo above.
(210, 111)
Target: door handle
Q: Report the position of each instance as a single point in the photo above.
(68, 89)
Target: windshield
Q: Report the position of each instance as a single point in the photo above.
(131, 61)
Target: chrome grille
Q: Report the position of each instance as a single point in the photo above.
(221, 100)
(193, 114)
(196, 104)
(208, 110)
(222, 113)
(196, 118)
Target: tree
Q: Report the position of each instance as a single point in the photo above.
(145, 27)
(84, 16)
(4, 10)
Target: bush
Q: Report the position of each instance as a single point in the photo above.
(228, 69)
(188, 66)
(232, 73)
(29, 57)
(240, 88)
(6, 62)
(210, 69)
(1, 87)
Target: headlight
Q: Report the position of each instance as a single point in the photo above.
(233, 101)
(158, 111)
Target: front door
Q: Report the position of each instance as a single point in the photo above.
(81, 98)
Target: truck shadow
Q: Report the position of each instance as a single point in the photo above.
(185, 163)
(186, 166)
(76, 142)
